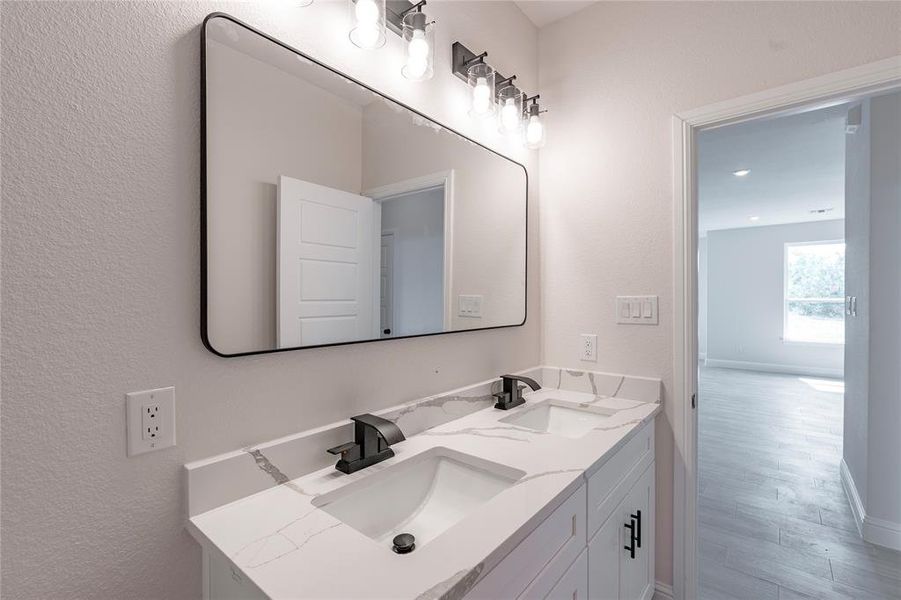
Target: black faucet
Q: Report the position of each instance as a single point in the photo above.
(512, 394)
(373, 437)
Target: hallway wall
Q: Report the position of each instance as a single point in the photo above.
(744, 304)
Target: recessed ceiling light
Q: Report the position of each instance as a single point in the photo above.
(741, 172)
(754, 218)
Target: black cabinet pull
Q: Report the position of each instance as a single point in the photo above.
(637, 517)
(631, 547)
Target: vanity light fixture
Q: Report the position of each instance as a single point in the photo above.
(741, 172)
(492, 93)
(419, 35)
(368, 18)
(534, 125)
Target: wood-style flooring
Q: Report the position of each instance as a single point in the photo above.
(774, 523)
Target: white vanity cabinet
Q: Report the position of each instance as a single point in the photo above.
(583, 549)
(580, 551)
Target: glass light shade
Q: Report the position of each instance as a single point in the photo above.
(534, 132)
(419, 37)
(367, 19)
(481, 80)
(509, 110)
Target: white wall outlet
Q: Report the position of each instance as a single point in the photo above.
(469, 306)
(636, 310)
(150, 420)
(589, 348)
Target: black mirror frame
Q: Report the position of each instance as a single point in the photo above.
(204, 255)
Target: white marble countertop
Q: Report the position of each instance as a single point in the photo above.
(291, 549)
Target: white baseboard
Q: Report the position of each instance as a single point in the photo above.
(876, 531)
(775, 368)
(663, 591)
(853, 497)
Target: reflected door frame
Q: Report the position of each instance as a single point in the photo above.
(819, 92)
(444, 179)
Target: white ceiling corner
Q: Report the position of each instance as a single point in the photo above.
(545, 12)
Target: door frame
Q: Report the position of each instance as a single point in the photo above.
(819, 92)
(392, 233)
(415, 184)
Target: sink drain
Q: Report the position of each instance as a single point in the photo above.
(403, 543)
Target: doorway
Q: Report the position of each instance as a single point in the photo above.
(819, 93)
(415, 222)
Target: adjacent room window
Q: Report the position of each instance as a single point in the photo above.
(815, 292)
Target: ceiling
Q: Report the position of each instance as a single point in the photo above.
(796, 162)
(545, 12)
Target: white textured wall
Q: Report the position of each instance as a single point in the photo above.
(745, 293)
(872, 446)
(100, 295)
(883, 497)
(702, 297)
(612, 76)
(857, 283)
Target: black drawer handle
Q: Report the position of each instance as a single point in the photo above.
(631, 547)
(637, 517)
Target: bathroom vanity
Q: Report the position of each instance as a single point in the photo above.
(552, 499)
(335, 215)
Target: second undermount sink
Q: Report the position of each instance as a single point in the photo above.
(424, 495)
(560, 418)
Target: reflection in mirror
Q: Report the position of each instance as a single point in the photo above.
(336, 215)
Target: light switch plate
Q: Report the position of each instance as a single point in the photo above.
(636, 310)
(150, 420)
(469, 306)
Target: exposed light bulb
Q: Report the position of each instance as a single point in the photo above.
(366, 11)
(417, 56)
(509, 115)
(481, 97)
(534, 132)
(368, 28)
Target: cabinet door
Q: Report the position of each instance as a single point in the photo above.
(603, 559)
(636, 577)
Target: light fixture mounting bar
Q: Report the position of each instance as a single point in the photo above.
(462, 58)
(395, 11)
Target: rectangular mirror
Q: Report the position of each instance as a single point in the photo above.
(332, 214)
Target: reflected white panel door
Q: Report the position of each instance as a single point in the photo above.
(386, 285)
(327, 269)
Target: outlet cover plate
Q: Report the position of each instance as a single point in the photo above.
(150, 420)
(589, 347)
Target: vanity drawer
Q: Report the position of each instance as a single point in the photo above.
(608, 485)
(573, 585)
(545, 555)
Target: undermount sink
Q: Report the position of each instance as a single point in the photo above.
(560, 418)
(424, 495)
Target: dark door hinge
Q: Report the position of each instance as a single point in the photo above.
(694, 400)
